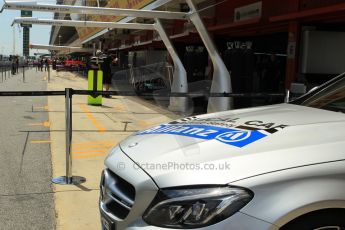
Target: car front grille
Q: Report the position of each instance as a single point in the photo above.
(117, 195)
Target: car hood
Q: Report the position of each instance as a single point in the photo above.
(228, 146)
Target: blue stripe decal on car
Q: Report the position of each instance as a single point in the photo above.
(230, 136)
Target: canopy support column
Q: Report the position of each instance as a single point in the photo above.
(221, 82)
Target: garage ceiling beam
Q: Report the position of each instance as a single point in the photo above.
(48, 47)
(73, 23)
(68, 9)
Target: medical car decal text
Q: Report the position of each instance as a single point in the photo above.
(230, 136)
(229, 122)
(212, 121)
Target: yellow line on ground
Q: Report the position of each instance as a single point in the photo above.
(45, 124)
(34, 124)
(120, 108)
(89, 156)
(89, 116)
(92, 147)
(41, 107)
(90, 151)
(95, 142)
(144, 124)
(40, 142)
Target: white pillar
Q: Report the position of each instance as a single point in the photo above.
(221, 82)
(179, 82)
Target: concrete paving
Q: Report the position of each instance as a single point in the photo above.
(32, 152)
(96, 129)
(26, 194)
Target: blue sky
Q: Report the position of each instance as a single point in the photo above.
(38, 34)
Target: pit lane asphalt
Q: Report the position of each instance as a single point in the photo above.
(26, 195)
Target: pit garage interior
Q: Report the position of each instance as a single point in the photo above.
(266, 45)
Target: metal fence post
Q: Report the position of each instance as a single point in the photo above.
(68, 135)
(68, 179)
(23, 74)
(48, 74)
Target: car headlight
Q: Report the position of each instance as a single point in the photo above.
(195, 207)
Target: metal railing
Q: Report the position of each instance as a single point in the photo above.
(7, 71)
(68, 93)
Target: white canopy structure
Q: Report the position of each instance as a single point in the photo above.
(67, 9)
(48, 47)
(179, 84)
(221, 82)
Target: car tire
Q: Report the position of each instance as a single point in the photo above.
(326, 219)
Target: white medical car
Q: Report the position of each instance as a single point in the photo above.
(265, 168)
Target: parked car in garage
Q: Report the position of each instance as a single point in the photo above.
(273, 167)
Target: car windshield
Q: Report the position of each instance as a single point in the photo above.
(330, 96)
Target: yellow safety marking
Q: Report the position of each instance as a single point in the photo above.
(96, 142)
(90, 151)
(89, 116)
(89, 156)
(40, 142)
(144, 123)
(92, 147)
(41, 107)
(119, 107)
(45, 124)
